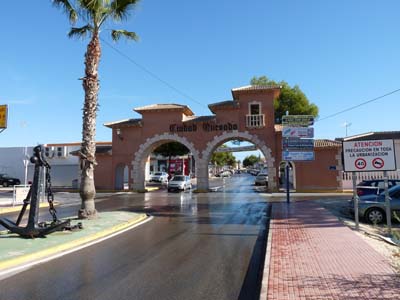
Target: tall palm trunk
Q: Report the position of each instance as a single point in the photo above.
(88, 148)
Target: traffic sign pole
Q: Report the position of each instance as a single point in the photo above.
(387, 203)
(287, 183)
(356, 199)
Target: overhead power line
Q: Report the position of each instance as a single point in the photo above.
(155, 76)
(358, 105)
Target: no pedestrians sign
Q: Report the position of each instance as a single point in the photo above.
(373, 155)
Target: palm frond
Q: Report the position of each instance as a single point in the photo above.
(96, 10)
(91, 4)
(117, 34)
(80, 31)
(121, 8)
(68, 9)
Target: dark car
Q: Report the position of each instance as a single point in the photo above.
(6, 180)
(374, 186)
(372, 207)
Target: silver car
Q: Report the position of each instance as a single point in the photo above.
(372, 207)
(261, 179)
(159, 177)
(179, 183)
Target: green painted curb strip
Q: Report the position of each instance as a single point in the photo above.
(6, 210)
(14, 262)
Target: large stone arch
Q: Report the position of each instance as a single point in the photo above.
(140, 157)
(226, 136)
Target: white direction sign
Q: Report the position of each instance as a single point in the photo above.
(372, 155)
(297, 120)
(299, 132)
(297, 155)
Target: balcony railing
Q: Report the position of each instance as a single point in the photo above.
(255, 121)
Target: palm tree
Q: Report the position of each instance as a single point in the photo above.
(94, 14)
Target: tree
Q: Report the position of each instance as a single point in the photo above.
(250, 160)
(94, 14)
(291, 99)
(170, 149)
(223, 158)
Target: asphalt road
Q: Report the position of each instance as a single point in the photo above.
(198, 246)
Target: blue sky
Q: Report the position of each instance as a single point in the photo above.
(341, 53)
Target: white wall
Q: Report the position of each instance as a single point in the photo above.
(63, 170)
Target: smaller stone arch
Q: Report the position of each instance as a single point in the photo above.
(226, 136)
(139, 161)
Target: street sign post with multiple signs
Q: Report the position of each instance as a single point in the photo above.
(297, 138)
(366, 156)
(297, 141)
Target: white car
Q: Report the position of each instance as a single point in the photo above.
(261, 179)
(224, 174)
(159, 177)
(179, 183)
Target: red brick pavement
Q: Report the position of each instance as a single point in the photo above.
(314, 256)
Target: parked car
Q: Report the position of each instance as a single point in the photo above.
(224, 174)
(261, 179)
(374, 186)
(372, 207)
(6, 180)
(179, 183)
(254, 172)
(159, 177)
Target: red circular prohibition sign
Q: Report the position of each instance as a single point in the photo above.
(378, 163)
(360, 163)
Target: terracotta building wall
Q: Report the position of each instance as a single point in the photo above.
(157, 122)
(318, 174)
(102, 172)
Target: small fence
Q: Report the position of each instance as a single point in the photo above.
(360, 176)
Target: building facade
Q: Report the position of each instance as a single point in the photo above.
(248, 117)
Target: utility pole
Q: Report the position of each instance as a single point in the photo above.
(346, 125)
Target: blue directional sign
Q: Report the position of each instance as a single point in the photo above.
(298, 144)
(297, 155)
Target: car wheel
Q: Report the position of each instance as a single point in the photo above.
(375, 215)
(5, 184)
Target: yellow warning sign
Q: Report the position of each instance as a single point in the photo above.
(3, 116)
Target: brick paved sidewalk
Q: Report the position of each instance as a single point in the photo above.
(314, 256)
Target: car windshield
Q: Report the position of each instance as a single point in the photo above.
(178, 178)
(392, 190)
(158, 173)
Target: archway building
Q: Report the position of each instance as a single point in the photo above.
(248, 117)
